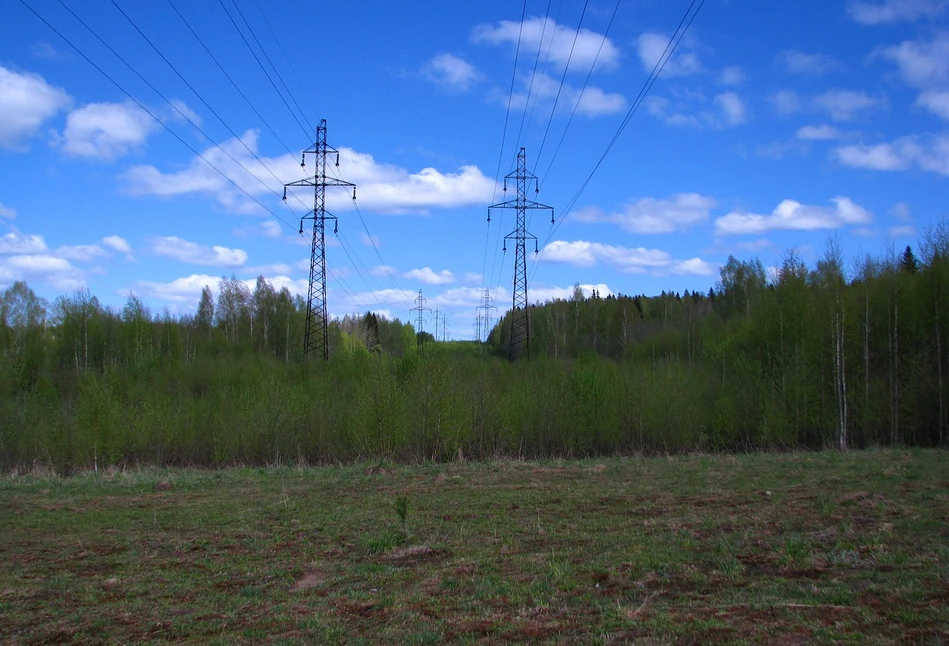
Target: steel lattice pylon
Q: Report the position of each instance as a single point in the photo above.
(315, 339)
(520, 315)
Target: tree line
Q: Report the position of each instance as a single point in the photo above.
(840, 354)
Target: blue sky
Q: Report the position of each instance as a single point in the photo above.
(773, 126)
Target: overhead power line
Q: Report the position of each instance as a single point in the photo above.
(306, 132)
(683, 27)
(208, 106)
(144, 108)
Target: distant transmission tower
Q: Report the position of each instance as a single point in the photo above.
(484, 318)
(520, 318)
(315, 339)
(421, 309)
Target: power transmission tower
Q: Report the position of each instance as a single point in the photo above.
(315, 339)
(487, 306)
(520, 317)
(436, 325)
(420, 308)
(444, 328)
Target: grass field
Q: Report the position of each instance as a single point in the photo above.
(768, 548)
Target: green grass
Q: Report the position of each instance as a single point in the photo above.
(804, 547)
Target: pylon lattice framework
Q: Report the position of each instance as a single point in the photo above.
(520, 316)
(420, 308)
(315, 338)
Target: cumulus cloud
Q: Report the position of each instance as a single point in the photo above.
(808, 65)
(554, 42)
(733, 75)
(381, 270)
(792, 215)
(582, 253)
(591, 101)
(650, 215)
(18, 243)
(197, 254)
(924, 64)
(904, 231)
(271, 228)
(930, 154)
(732, 108)
(936, 102)
(32, 267)
(839, 105)
(181, 290)
(818, 133)
(81, 253)
(382, 187)
(452, 72)
(429, 277)
(786, 102)
(692, 109)
(845, 105)
(7, 212)
(26, 101)
(891, 11)
(370, 240)
(651, 46)
(117, 243)
(106, 131)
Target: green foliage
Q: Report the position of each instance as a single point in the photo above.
(817, 359)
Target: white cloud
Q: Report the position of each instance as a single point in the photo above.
(818, 133)
(650, 215)
(379, 270)
(452, 72)
(890, 11)
(26, 101)
(840, 105)
(808, 65)
(117, 243)
(902, 211)
(732, 107)
(898, 155)
(786, 102)
(271, 229)
(640, 260)
(7, 212)
(733, 75)
(32, 267)
(651, 46)
(555, 42)
(369, 240)
(382, 187)
(845, 105)
(904, 231)
(922, 64)
(925, 66)
(81, 253)
(196, 254)
(17, 243)
(931, 154)
(106, 131)
(38, 263)
(792, 215)
(544, 90)
(429, 277)
(935, 102)
(692, 109)
(473, 277)
(182, 290)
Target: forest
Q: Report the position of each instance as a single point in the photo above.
(847, 353)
